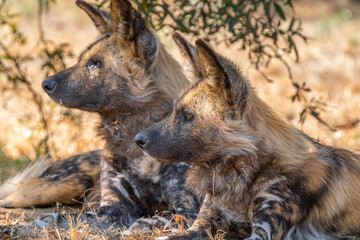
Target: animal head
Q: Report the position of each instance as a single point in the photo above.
(209, 121)
(121, 71)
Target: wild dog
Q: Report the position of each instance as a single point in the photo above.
(257, 172)
(66, 181)
(131, 81)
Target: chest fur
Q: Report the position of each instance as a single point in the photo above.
(146, 167)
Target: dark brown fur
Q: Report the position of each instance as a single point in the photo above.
(256, 171)
(131, 81)
(128, 78)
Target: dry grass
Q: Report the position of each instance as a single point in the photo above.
(329, 64)
(13, 226)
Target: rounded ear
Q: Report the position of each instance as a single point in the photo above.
(100, 18)
(131, 27)
(189, 51)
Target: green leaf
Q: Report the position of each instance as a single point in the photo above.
(279, 11)
(17, 162)
(7, 57)
(232, 23)
(267, 11)
(291, 24)
(293, 46)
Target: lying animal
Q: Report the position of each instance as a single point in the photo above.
(261, 177)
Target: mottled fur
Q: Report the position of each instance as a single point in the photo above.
(43, 183)
(261, 177)
(131, 81)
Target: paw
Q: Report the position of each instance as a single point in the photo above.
(187, 235)
(54, 219)
(61, 220)
(150, 223)
(118, 214)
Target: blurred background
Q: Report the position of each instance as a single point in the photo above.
(303, 60)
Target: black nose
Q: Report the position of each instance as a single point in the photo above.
(141, 140)
(48, 85)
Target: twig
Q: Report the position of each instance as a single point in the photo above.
(35, 96)
(39, 21)
(40, 29)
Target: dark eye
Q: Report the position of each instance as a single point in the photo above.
(186, 116)
(93, 64)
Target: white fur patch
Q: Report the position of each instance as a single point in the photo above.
(116, 182)
(34, 170)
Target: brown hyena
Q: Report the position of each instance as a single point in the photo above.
(258, 173)
(131, 81)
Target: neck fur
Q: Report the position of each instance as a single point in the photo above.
(275, 136)
(164, 84)
(170, 75)
(251, 143)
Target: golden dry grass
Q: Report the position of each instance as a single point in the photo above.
(329, 64)
(12, 226)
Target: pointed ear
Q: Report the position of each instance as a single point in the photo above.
(223, 75)
(120, 11)
(101, 19)
(212, 70)
(131, 27)
(189, 51)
